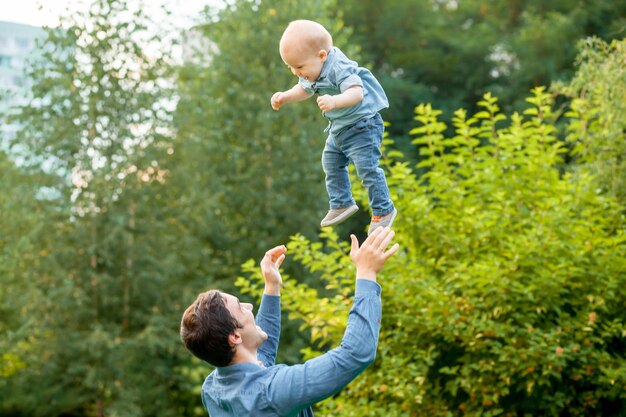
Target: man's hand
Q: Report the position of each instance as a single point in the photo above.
(372, 255)
(327, 103)
(277, 100)
(269, 268)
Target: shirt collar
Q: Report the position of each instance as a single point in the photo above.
(327, 64)
(238, 367)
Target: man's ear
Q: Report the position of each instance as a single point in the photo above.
(235, 338)
(323, 55)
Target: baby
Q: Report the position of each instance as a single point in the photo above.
(350, 98)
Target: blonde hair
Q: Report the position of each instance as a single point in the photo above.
(308, 34)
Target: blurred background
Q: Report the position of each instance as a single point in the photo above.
(141, 164)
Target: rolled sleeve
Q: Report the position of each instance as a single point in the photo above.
(346, 75)
(294, 387)
(364, 286)
(351, 81)
(268, 319)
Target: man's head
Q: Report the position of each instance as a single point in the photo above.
(219, 329)
(304, 48)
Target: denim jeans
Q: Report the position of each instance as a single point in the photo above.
(359, 144)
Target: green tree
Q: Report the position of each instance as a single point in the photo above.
(449, 53)
(507, 298)
(597, 133)
(260, 169)
(22, 216)
(105, 282)
(252, 176)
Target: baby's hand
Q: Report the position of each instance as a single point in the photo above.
(277, 100)
(326, 103)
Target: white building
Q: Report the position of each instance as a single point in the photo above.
(17, 42)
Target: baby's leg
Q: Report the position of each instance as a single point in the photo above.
(363, 149)
(335, 164)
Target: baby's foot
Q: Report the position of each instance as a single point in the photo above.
(382, 221)
(336, 216)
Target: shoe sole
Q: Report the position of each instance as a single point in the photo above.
(343, 216)
(393, 217)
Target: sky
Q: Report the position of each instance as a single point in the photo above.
(47, 12)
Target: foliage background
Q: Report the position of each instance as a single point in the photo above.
(135, 182)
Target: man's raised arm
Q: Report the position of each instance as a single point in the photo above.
(295, 387)
(268, 316)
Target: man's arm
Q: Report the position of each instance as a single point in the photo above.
(296, 93)
(268, 316)
(295, 387)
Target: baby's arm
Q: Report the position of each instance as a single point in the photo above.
(296, 93)
(348, 98)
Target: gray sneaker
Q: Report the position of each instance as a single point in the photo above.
(336, 216)
(382, 221)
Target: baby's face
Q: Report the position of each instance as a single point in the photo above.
(304, 63)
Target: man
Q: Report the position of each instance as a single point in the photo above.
(221, 330)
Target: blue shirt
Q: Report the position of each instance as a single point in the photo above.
(266, 389)
(338, 74)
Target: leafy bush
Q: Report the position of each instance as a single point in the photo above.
(508, 296)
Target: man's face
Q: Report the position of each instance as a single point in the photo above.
(252, 335)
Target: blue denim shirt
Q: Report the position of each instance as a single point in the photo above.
(338, 74)
(266, 389)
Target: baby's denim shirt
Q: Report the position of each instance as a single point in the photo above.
(338, 74)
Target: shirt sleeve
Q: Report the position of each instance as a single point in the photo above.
(306, 85)
(346, 75)
(268, 319)
(295, 387)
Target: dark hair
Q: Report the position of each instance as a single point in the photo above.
(205, 327)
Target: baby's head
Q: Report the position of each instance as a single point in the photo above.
(304, 48)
